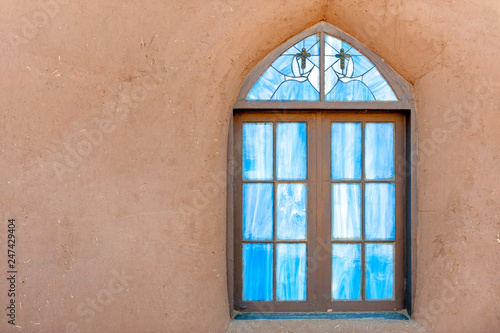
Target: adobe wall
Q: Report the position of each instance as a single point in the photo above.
(114, 125)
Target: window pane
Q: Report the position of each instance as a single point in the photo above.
(350, 76)
(258, 272)
(346, 271)
(291, 261)
(378, 86)
(291, 211)
(348, 90)
(379, 151)
(380, 211)
(291, 151)
(346, 211)
(258, 211)
(379, 271)
(292, 76)
(346, 151)
(258, 151)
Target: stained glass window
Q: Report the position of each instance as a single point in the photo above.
(294, 76)
(348, 74)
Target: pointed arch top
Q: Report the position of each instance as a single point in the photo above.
(324, 68)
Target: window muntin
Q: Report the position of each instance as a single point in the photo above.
(295, 75)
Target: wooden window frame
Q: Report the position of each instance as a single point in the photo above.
(319, 213)
(404, 106)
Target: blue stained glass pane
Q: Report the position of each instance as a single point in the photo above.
(330, 61)
(333, 45)
(282, 64)
(294, 91)
(257, 211)
(267, 84)
(332, 48)
(346, 46)
(379, 150)
(350, 91)
(346, 151)
(291, 276)
(361, 65)
(315, 60)
(257, 272)
(380, 211)
(379, 86)
(311, 44)
(258, 151)
(291, 211)
(292, 76)
(350, 76)
(346, 211)
(291, 151)
(346, 271)
(354, 52)
(331, 80)
(379, 271)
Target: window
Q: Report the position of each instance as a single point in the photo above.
(321, 191)
(296, 74)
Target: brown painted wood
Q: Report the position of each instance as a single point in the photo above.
(324, 105)
(230, 219)
(321, 67)
(237, 250)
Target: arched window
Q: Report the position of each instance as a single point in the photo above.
(296, 74)
(321, 140)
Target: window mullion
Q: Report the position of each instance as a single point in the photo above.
(274, 211)
(323, 241)
(363, 266)
(322, 67)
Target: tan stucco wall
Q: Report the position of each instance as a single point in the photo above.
(138, 210)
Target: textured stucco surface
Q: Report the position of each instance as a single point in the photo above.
(114, 120)
(333, 326)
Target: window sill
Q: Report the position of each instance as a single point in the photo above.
(402, 315)
(324, 322)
